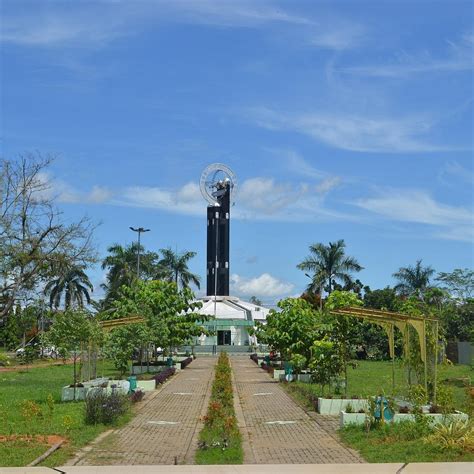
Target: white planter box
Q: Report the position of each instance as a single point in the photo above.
(67, 393)
(305, 378)
(123, 386)
(277, 373)
(143, 369)
(351, 418)
(333, 406)
(146, 385)
(434, 418)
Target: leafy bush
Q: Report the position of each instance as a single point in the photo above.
(186, 362)
(137, 396)
(4, 360)
(101, 407)
(163, 375)
(458, 435)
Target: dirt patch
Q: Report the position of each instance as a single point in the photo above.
(44, 439)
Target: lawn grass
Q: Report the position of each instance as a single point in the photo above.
(398, 443)
(65, 419)
(370, 378)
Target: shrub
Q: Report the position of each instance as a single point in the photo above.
(254, 357)
(101, 407)
(163, 375)
(4, 360)
(220, 433)
(458, 435)
(137, 396)
(186, 362)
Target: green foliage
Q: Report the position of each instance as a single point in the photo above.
(325, 362)
(103, 407)
(459, 283)
(71, 331)
(399, 443)
(342, 299)
(4, 360)
(220, 440)
(121, 343)
(445, 398)
(298, 362)
(10, 332)
(328, 263)
(174, 267)
(413, 280)
(457, 436)
(291, 330)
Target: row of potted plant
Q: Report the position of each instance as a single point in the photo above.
(164, 375)
(186, 362)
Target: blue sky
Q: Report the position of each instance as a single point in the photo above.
(341, 119)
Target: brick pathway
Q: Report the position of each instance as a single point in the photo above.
(166, 425)
(279, 431)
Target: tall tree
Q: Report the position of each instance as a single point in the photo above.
(329, 263)
(121, 264)
(176, 269)
(413, 280)
(33, 234)
(459, 283)
(73, 287)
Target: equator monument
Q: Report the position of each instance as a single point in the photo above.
(233, 317)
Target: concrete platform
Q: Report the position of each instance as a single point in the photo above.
(389, 468)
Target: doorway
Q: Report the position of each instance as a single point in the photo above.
(223, 338)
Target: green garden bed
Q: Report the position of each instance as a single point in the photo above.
(64, 419)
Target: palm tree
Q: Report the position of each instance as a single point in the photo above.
(174, 267)
(72, 286)
(121, 264)
(329, 263)
(413, 279)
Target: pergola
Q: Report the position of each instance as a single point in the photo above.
(389, 321)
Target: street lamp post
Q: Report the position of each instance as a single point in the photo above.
(139, 231)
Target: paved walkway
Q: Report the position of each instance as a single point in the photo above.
(166, 427)
(280, 431)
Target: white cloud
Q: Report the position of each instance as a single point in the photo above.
(339, 37)
(350, 132)
(257, 198)
(186, 200)
(454, 223)
(264, 285)
(458, 58)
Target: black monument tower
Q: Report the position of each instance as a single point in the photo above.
(218, 227)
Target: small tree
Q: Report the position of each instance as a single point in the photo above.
(342, 332)
(325, 363)
(293, 329)
(69, 332)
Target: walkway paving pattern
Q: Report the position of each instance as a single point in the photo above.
(280, 432)
(275, 429)
(166, 425)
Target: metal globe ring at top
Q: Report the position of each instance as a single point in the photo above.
(210, 177)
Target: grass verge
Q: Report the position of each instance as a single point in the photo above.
(220, 441)
(370, 378)
(399, 442)
(30, 405)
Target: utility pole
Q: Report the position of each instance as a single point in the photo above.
(139, 231)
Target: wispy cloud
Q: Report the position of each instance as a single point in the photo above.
(264, 285)
(257, 199)
(459, 57)
(455, 170)
(350, 132)
(419, 207)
